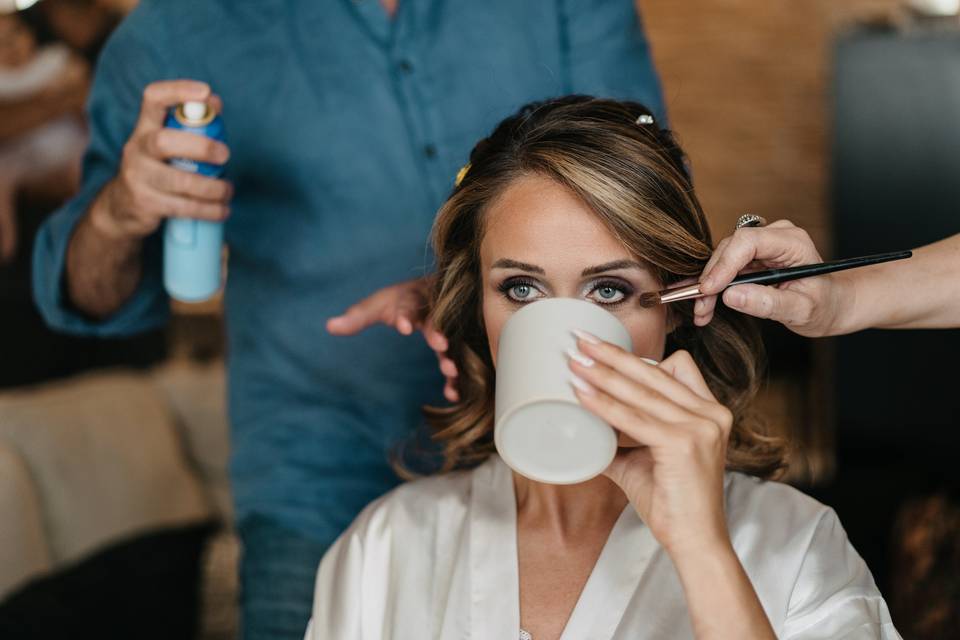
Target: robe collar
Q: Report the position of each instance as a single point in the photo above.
(494, 569)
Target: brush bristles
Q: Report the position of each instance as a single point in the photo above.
(649, 299)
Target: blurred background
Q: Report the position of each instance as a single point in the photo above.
(840, 115)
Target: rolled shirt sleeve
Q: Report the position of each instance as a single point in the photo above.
(608, 53)
(126, 66)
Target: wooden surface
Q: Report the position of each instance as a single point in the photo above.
(746, 84)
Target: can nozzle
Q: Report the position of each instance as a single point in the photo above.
(195, 110)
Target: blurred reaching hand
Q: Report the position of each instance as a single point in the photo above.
(402, 306)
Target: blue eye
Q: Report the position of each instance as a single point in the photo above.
(608, 293)
(521, 291)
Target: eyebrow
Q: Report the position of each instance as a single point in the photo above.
(612, 266)
(507, 263)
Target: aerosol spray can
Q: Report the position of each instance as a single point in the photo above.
(192, 248)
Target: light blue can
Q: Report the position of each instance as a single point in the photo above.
(192, 249)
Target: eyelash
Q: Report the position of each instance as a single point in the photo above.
(627, 291)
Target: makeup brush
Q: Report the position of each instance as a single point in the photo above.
(773, 276)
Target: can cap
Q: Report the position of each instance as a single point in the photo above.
(195, 110)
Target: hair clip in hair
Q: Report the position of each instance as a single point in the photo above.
(464, 170)
(645, 118)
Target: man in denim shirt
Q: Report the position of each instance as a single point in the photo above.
(347, 121)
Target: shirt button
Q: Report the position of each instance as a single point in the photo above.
(406, 66)
(430, 151)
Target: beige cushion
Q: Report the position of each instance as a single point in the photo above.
(106, 458)
(24, 552)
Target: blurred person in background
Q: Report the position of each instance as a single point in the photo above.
(44, 81)
(347, 122)
(42, 89)
(82, 25)
(45, 56)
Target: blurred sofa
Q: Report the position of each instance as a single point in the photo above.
(115, 506)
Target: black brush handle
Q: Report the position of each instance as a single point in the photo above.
(776, 276)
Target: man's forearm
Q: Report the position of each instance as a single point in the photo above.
(921, 293)
(103, 267)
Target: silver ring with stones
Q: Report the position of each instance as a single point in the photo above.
(751, 220)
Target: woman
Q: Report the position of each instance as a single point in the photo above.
(680, 537)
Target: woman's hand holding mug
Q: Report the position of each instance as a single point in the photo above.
(674, 478)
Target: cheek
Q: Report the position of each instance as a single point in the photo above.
(648, 330)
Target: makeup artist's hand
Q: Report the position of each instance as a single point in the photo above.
(402, 306)
(810, 307)
(674, 478)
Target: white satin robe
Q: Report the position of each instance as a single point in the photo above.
(437, 559)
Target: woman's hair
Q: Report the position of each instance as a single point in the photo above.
(632, 175)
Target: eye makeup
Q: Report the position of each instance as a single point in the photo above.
(609, 292)
(507, 287)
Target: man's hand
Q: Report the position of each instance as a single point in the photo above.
(404, 307)
(103, 257)
(146, 189)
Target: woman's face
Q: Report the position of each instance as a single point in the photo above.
(540, 242)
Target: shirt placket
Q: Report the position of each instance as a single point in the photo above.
(410, 72)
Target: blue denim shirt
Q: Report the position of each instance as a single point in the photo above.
(346, 130)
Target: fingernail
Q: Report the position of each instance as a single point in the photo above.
(586, 337)
(650, 361)
(573, 354)
(735, 298)
(698, 306)
(582, 385)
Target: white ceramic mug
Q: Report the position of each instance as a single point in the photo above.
(541, 430)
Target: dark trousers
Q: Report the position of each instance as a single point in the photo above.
(278, 567)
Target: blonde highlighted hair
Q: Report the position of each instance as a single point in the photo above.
(633, 176)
